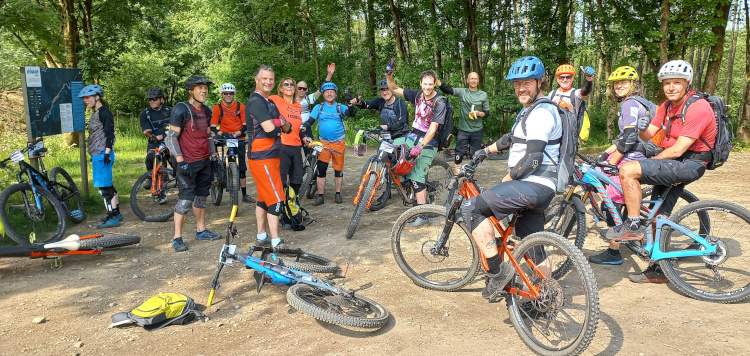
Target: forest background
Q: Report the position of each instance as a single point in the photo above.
(128, 46)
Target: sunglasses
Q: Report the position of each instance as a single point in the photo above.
(302, 88)
(154, 99)
(287, 84)
(227, 94)
(565, 77)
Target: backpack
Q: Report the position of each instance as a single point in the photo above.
(292, 213)
(444, 134)
(221, 112)
(650, 107)
(724, 136)
(162, 310)
(338, 108)
(568, 141)
(579, 110)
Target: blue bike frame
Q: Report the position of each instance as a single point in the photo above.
(595, 178)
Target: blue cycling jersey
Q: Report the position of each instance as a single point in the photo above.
(330, 121)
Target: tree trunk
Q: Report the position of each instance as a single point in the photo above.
(88, 27)
(732, 50)
(717, 50)
(397, 30)
(348, 29)
(371, 43)
(435, 43)
(471, 37)
(664, 29)
(743, 129)
(314, 42)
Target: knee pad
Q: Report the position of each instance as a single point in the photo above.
(107, 192)
(199, 202)
(322, 168)
(183, 206)
(418, 187)
(474, 211)
(243, 174)
(275, 209)
(338, 174)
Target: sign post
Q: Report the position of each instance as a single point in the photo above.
(53, 107)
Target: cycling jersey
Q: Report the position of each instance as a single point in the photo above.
(155, 120)
(194, 124)
(330, 121)
(306, 105)
(424, 115)
(542, 124)
(467, 98)
(395, 116)
(233, 119)
(292, 113)
(699, 122)
(259, 109)
(101, 131)
(564, 98)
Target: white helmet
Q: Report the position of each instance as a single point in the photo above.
(676, 69)
(227, 88)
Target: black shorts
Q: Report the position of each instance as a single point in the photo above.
(671, 171)
(507, 198)
(291, 165)
(471, 141)
(195, 181)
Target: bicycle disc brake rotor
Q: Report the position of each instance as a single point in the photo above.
(720, 256)
(431, 255)
(348, 306)
(160, 197)
(36, 214)
(551, 297)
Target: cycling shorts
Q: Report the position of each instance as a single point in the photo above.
(196, 180)
(338, 159)
(267, 177)
(102, 173)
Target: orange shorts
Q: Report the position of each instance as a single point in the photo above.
(326, 155)
(265, 173)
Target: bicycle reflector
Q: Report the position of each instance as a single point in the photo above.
(360, 147)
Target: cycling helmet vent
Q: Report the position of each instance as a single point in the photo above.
(528, 67)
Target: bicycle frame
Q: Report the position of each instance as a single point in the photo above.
(651, 247)
(380, 167)
(160, 161)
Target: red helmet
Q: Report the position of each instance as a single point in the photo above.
(404, 163)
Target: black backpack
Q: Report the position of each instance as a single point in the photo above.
(444, 134)
(724, 136)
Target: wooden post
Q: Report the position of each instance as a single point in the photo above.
(84, 164)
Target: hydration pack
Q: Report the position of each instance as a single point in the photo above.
(724, 136)
(444, 134)
(162, 310)
(292, 213)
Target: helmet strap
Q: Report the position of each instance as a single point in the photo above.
(193, 100)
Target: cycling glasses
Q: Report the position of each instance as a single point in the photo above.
(287, 84)
(302, 88)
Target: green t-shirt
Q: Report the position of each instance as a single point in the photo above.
(468, 98)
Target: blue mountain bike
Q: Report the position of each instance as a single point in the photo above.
(318, 297)
(702, 248)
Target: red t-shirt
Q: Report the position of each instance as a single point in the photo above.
(699, 122)
(292, 113)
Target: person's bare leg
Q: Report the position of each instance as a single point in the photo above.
(273, 226)
(421, 197)
(339, 183)
(484, 236)
(321, 182)
(179, 220)
(200, 218)
(260, 218)
(630, 179)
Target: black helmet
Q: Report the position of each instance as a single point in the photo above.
(383, 84)
(194, 80)
(154, 93)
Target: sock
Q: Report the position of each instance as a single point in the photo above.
(320, 195)
(262, 236)
(635, 223)
(614, 252)
(244, 191)
(275, 242)
(338, 193)
(494, 264)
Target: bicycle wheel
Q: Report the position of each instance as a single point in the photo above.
(68, 194)
(217, 185)
(341, 309)
(383, 193)
(361, 204)
(437, 180)
(721, 278)
(307, 262)
(563, 320)
(233, 182)
(312, 190)
(572, 223)
(27, 221)
(306, 181)
(155, 207)
(99, 243)
(367, 164)
(414, 250)
(686, 197)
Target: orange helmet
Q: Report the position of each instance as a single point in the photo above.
(403, 163)
(565, 69)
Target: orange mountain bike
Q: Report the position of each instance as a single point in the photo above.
(552, 300)
(155, 203)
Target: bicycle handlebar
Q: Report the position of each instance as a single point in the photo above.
(592, 162)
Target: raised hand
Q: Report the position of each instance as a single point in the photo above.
(390, 67)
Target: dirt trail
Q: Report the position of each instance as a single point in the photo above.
(78, 299)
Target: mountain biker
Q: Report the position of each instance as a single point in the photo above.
(474, 107)
(308, 100)
(330, 117)
(526, 186)
(625, 88)
(291, 144)
(429, 114)
(683, 159)
(100, 147)
(154, 121)
(190, 142)
(394, 115)
(264, 141)
(563, 95)
(228, 121)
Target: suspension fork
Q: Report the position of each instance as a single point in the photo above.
(363, 181)
(559, 213)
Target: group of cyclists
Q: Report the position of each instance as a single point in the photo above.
(275, 128)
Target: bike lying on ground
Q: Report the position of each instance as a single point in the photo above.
(552, 300)
(310, 171)
(37, 207)
(226, 171)
(566, 214)
(71, 245)
(155, 203)
(378, 177)
(701, 248)
(318, 297)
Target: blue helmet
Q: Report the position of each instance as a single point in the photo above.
(328, 85)
(528, 67)
(92, 89)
